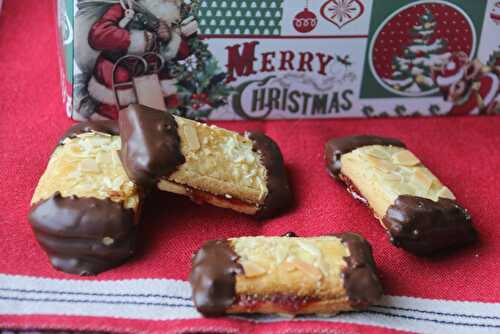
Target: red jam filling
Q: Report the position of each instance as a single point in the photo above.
(288, 303)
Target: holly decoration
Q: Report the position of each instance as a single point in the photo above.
(201, 83)
(415, 40)
(305, 21)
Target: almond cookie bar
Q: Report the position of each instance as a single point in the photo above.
(209, 164)
(285, 275)
(85, 208)
(419, 213)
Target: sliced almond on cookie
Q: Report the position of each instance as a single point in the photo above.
(252, 269)
(445, 192)
(89, 166)
(377, 153)
(405, 158)
(192, 137)
(381, 164)
(422, 181)
(307, 269)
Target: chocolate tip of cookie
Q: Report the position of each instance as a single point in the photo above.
(72, 232)
(361, 282)
(213, 277)
(151, 147)
(104, 126)
(279, 197)
(336, 147)
(424, 227)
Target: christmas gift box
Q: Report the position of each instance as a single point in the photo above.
(274, 59)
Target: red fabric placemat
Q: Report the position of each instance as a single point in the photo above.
(463, 152)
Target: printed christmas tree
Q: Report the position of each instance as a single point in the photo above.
(412, 70)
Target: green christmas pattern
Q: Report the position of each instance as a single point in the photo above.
(240, 17)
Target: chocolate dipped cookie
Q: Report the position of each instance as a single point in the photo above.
(284, 275)
(85, 209)
(420, 214)
(243, 172)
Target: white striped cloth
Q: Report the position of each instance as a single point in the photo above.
(162, 299)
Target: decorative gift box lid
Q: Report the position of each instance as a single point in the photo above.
(255, 59)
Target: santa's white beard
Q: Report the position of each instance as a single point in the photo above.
(166, 10)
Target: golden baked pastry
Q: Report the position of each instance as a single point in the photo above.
(286, 275)
(209, 164)
(85, 208)
(418, 211)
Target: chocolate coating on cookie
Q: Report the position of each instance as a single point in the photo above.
(334, 148)
(105, 126)
(279, 196)
(423, 227)
(150, 144)
(84, 236)
(213, 277)
(360, 277)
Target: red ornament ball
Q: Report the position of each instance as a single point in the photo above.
(305, 21)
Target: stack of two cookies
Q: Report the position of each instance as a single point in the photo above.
(87, 204)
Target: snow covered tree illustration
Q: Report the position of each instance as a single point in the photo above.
(412, 70)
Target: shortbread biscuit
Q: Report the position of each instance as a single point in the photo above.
(420, 214)
(208, 164)
(85, 207)
(284, 275)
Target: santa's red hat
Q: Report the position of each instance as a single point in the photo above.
(483, 97)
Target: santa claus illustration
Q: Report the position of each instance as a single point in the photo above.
(471, 87)
(115, 28)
